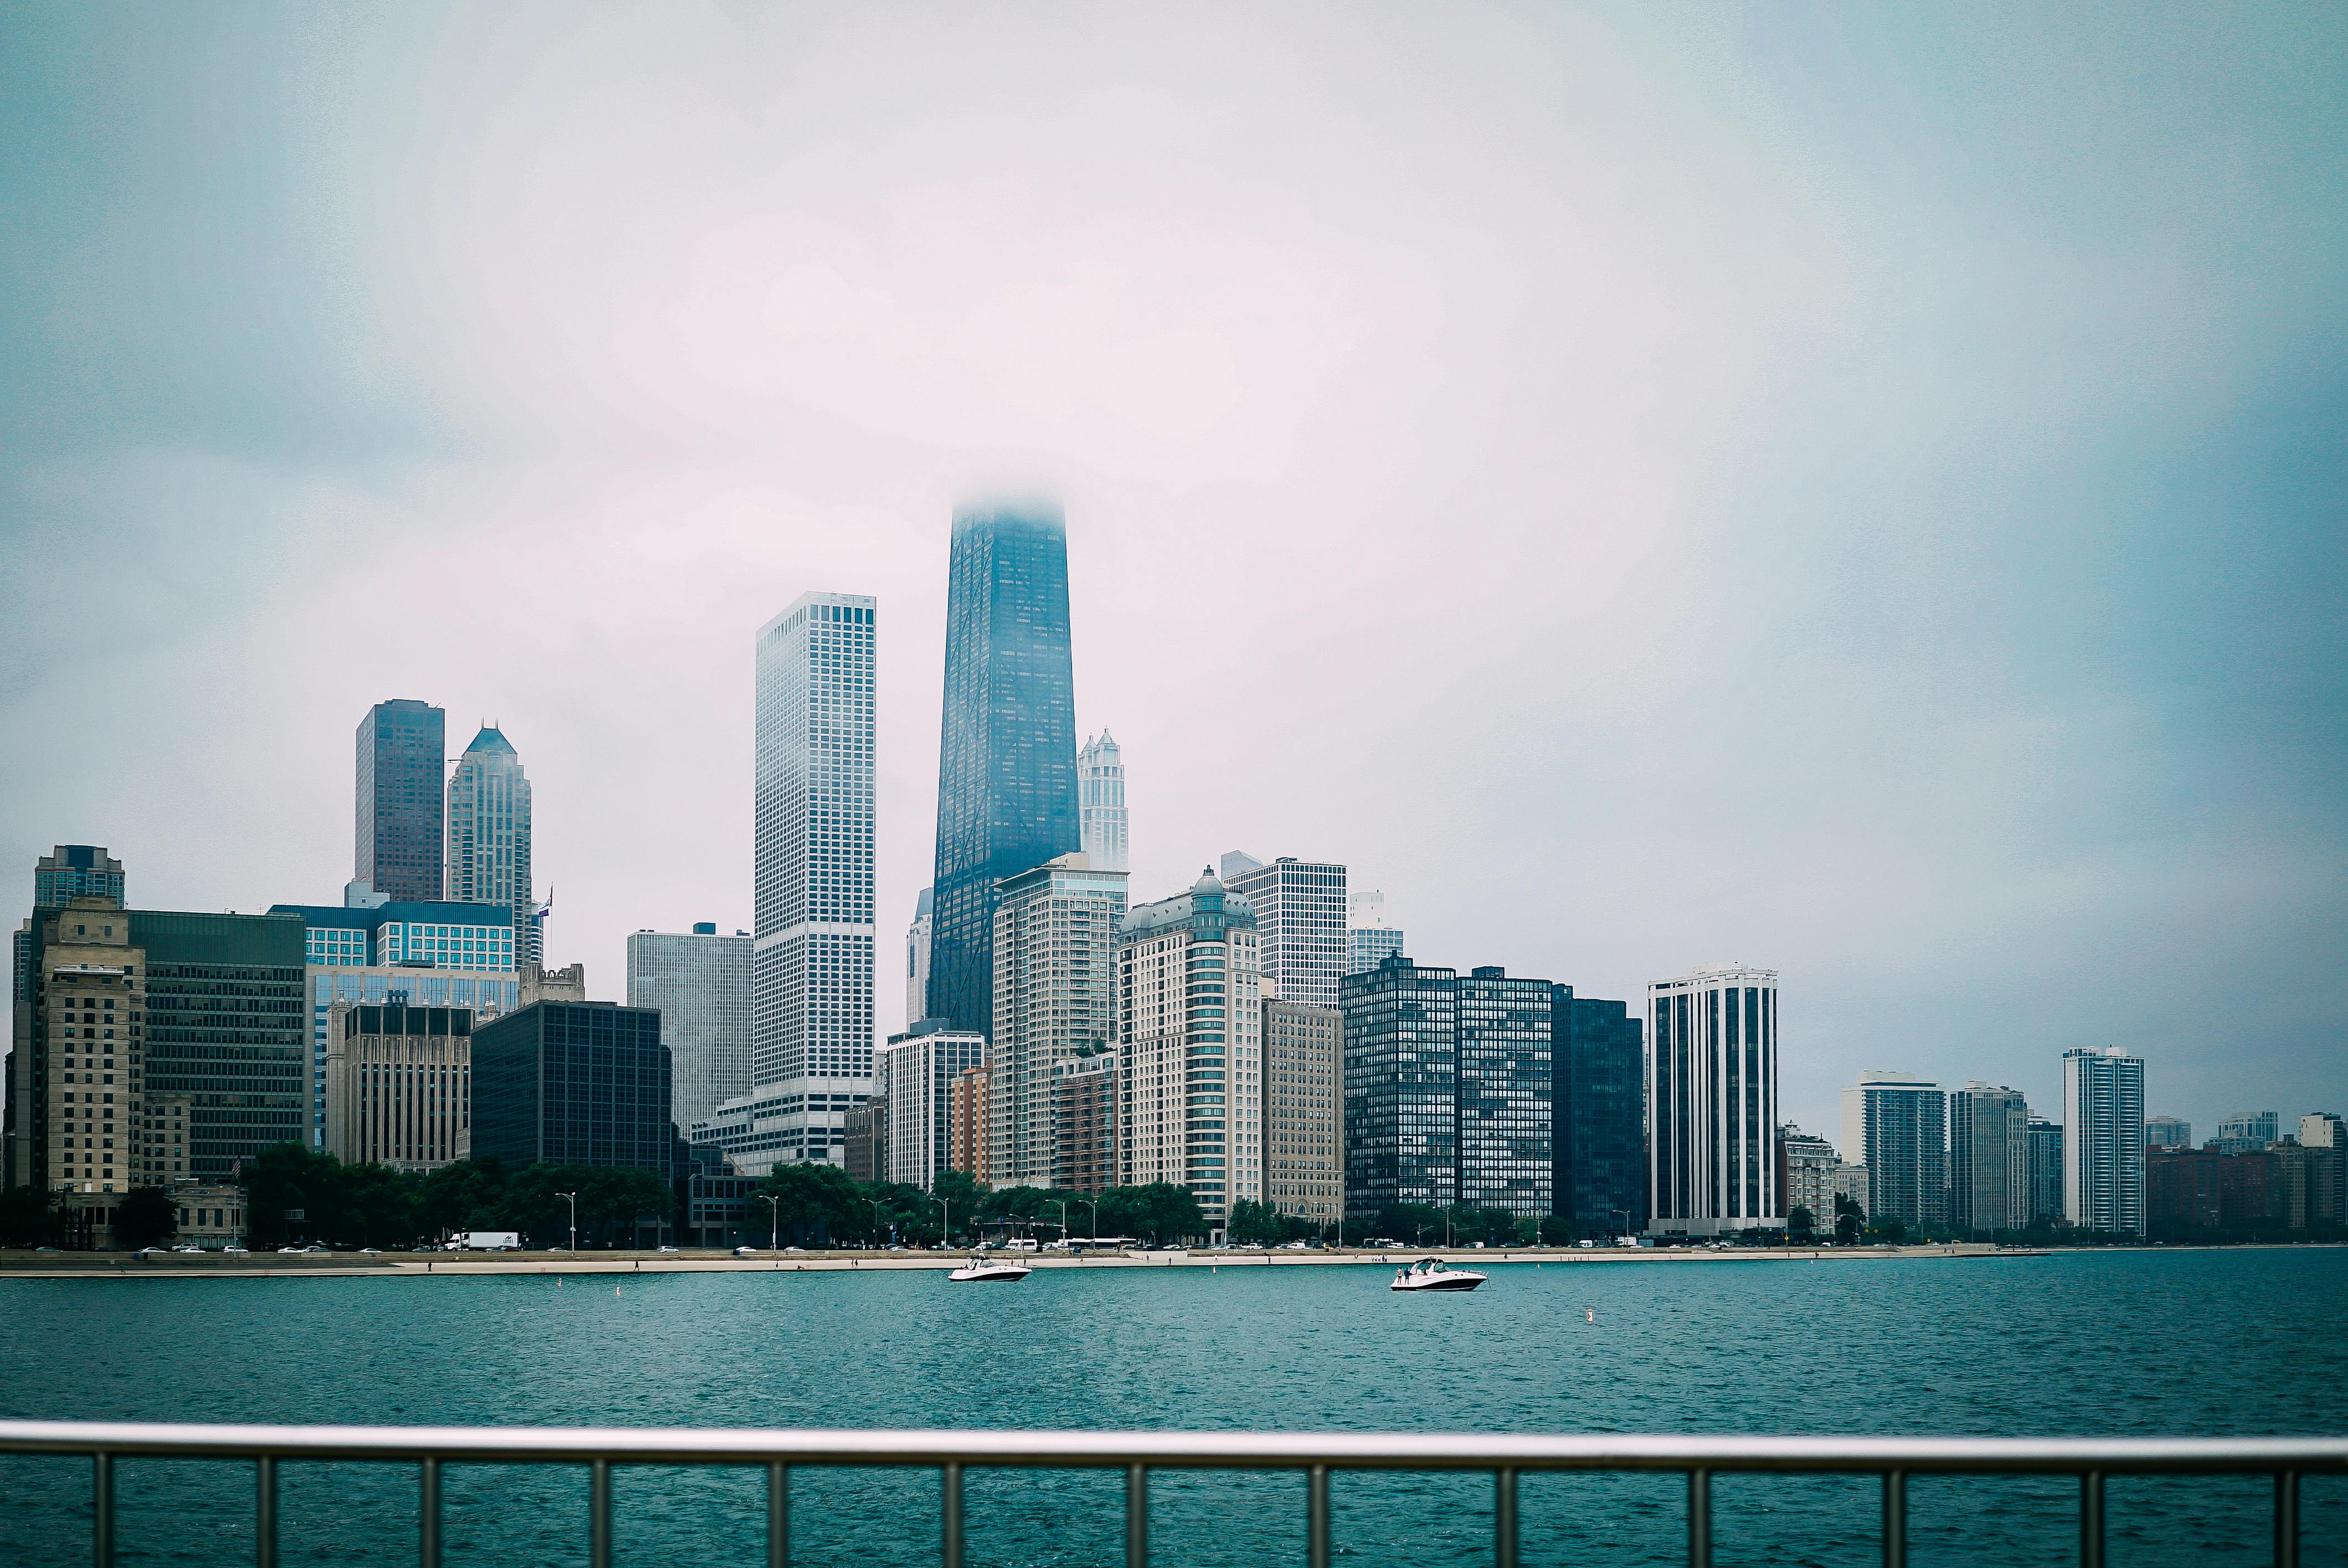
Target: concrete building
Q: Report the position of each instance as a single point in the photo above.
(917, 960)
(2310, 1182)
(488, 859)
(864, 1142)
(1008, 750)
(1599, 1125)
(1896, 1125)
(699, 982)
(2045, 1171)
(567, 984)
(1711, 1102)
(574, 1083)
(2201, 1189)
(1989, 1158)
(1190, 1051)
(399, 1085)
(811, 971)
(1300, 922)
(2167, 1132)
(968, 1125)
(2250, 1131)
(916, 1071)
(1369, 939)
(73, 871)
(1100, 802)
(1084, 1124)
(2325, 1130)
(2103, 1140)
(211, 1213)
(1055, 955)
(1808, 1164)
(1851, 1181)
(1303, 1110)
(402, 827)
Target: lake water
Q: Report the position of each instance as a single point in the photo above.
(2190, 1343)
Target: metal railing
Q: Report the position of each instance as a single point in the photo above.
(1316, 1455)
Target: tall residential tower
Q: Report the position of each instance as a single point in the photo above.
(2103, 1140)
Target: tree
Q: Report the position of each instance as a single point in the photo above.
(290, 1195)
(611, 1198)
(963, 1195)
(465, 1195)
(29, 1217)
(1258, 1222)
(814, 1199)
(1556, 1230)
(1849, 1220)
(145, 1216)
(1801, 1222)
(1159, 1212)
(1411, 1222)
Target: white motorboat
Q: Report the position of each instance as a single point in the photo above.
(1434, 1274)
(1006, 1269)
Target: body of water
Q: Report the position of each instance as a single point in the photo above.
(2187, 1343)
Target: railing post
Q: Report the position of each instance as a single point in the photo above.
(2091, 1518)
(265, 1512)
(1895, 1519)
(1137, 1516)
(599, 1513)
(778, 1515)
(101, 1510)
(1504, 1518)
(428, 1508)
(1317, 1516)
(2286, 1519)
(1699, 1518)
(950, 1525)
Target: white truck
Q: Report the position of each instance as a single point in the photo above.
(485, 1241)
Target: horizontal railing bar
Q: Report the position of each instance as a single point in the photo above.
(1197, 1450)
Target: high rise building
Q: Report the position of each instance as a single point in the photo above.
(1100, 802)
(1084, 1124)
(917, 1072)
(2323, 1130)
(1054, 952)
(73, 871)
(70, 871)
(1896, 1125)
(399, 1087)
(1401, 1082)
(1989, 1158)
(1008, 750)
(917, 960)
(1304, 1106)
(1506, 1073)
(1711, 1102)
(574, 1083)
(1300, 922)
(2191, 1189)
(1599, 1125)
(2249, 1133)
(864, 1142)
(2045, 1171)
(2103, 1140)
(402, 771)
(811, 967)
(968, 1125)
(489, 836)
(699, 982)
(1808, 1165)
(2167, 1132)
(2309, 1180)
(1369, 940)
(1190, 1051)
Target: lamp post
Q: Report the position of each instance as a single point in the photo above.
(1447, 1228)
(1064, 1217)
(1094, 1204)
(876, 1225)
(574, 1220)
(945, 1222)
(774, 1218)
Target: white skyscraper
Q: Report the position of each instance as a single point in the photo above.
(488, 859)
(917, 958)
(1100, 802)
(916, 1072)
(2103, 1140)
(811, 967)
(700, 983)
(1369, 940)
(1300, 923)
(1711, 1102)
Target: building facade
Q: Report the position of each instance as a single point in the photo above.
(699, 982)
(2103, 1140)
(73, 871)
(1402, 1082)
(1084, 1124)
(917, 960)
(1896, 1125)
(864, 1140)
(574, 1083)
(1989, 1158)
(1808, 1165)
(1711, 1102)
(402, 800)
(769, 1127)
(812, 962)
(1507, 1072)
(1191, 1052)
(917, 1072)
(2250, 1131)
(1100, 802)
(1600, 1122)
(1007, 747)
(2045, 1171)
(1054, 956)
(1303, 1110)
(399, 1085)
(2189, 1189)
(2167, 1132)
(488, 858)
(968, 1125)
(1300, 923)
(1369, 939)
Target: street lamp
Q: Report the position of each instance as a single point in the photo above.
(1094, 1204)
(945, 1223)
(1626, 1220)
(775, 1216)
(1064, 1217)
(876, 1225)
(574, 1220)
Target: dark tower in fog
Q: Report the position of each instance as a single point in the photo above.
(1007, 753)
(402, 800)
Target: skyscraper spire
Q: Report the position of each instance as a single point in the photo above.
(488, 859)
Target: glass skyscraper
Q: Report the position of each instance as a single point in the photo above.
(700, 985)
(402, 770)
(1600, 1126)
(1007, 749)
(489, 836)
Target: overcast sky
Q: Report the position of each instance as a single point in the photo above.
(1857, 490)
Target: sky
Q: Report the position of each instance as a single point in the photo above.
(1857, 490)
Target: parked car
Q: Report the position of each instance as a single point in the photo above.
(668, 1249)
(746, 1252)
(290, 1249)
(188, 1246)
(370, 1251)
(233, 1247)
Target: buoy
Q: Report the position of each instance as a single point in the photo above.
(615, 1290)
(1593, 1313)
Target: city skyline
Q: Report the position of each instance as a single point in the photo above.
(2016, 675)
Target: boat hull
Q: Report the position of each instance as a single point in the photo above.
(1456, 1282)
(989, 1276)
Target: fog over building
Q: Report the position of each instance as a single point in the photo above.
(1369, 939)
